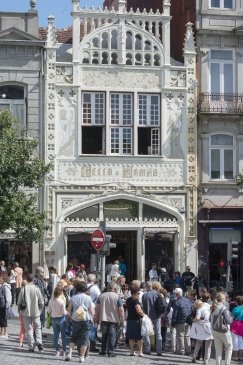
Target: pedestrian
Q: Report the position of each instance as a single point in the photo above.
(181, 309)
(221, 340)
(33, 298)
(188, 278)
(94, 291)
(178, 280)
(69, 272)
(2, 266)
(149, 302)
(81, 274)
(164, 318)
(109, 313)
(58, 312)
(39, 281)
(52, 280)
(12, 281)
(19, 278)
(134, 315)
(237, 329)
(201, 328)
(153, 274)
(21, 320)
(81, 311)
(6, 301)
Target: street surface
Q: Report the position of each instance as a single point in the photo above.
(11, 354)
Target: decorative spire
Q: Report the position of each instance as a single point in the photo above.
(122, 6)
(189, 44)
(51, 32)
(33, 4)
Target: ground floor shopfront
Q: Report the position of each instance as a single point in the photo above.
(144, 230)
(216, 228)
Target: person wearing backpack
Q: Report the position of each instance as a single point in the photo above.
(220, 322)
(5, 303)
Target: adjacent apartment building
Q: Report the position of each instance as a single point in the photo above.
(121, 130)
(21, 92)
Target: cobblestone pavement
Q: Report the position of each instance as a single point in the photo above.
(10, 354)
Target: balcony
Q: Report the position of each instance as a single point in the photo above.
(220, 103)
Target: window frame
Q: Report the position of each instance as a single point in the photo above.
(149, 111)
(121, 131)
(222, 148)
(221, 5)
(221, 67)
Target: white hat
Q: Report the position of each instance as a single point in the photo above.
(163, 269)
(178, 291)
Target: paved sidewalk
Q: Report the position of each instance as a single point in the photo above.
(10, 354)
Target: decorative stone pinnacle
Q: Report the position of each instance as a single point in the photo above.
(189, 44)
(32, 4)
(122, 6)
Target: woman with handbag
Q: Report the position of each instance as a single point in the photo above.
(237, 329)
(135, 313)
(201, 328)
(220, 321)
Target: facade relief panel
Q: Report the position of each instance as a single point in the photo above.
(168, 173)
(120, 79)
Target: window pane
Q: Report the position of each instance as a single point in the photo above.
(215, 3)
(228, 164)
(142, 105)
(114, 108)
(154, 111)
(215, 164)
(221, 55)
(155, 141)
(87, 108)
(114, 140)
(120, 209)
(222, 139)
(127, 141)
(228, 4)
(215, 78)
(228, 78)
(127, 109)
(99, 109)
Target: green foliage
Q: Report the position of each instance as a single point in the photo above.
(239, 180)
(22, 173)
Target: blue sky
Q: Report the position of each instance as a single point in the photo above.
(59, 8)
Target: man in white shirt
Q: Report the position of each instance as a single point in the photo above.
(153, 274)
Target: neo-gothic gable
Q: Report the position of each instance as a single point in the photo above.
(127, 44)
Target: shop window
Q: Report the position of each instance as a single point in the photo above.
(121, 209)
(150, 212)
(12, 98)
(90, 213)
(93, 121)
(222, 157)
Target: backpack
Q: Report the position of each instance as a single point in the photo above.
(218, 322)
(160, 305)
(81, 313)
(3, 301)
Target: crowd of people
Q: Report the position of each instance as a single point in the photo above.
(76, 308)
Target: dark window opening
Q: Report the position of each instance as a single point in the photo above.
(144, 141)
(11, 92)
(92, 138)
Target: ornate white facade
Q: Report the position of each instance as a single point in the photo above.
(121, 127)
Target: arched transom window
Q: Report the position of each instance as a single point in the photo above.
(105, 48)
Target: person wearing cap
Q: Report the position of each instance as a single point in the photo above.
(181, 309)
(164, 276)
(153, 274)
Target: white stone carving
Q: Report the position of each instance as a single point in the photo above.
(64, 74)
(169, 172)
(177, 78)
(120, 79)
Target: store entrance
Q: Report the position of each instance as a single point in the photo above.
(126, 246)
(159, 249)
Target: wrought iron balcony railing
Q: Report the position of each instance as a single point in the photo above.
(220, 103)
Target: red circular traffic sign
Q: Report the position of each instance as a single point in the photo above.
(97, 239)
